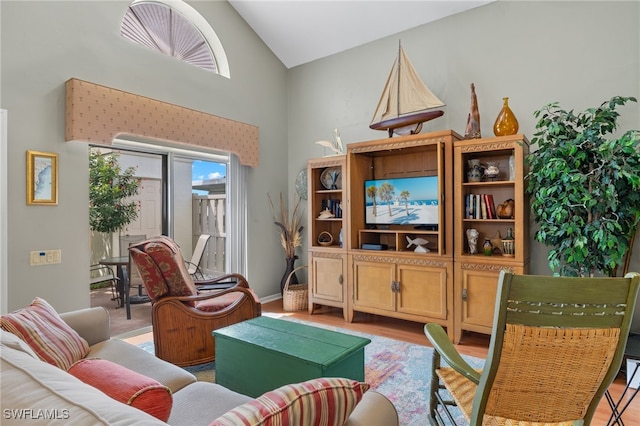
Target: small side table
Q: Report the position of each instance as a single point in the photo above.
(631, 351)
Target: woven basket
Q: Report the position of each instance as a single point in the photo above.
(295, 297)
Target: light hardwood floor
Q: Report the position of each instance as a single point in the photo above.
(472, 344)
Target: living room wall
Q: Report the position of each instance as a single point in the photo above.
(44, 43)
(577, 53)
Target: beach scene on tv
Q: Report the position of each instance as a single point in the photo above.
(402, 201)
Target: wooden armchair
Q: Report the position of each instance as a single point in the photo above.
(556, 345)
(183, 319)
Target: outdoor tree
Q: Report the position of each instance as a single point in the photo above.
(109, 189)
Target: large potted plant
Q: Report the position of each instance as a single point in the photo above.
(585, 188)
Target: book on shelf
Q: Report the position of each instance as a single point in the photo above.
(334, 206)
(479, 206)
(491, 208)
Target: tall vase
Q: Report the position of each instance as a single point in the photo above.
(290, 262)
(506, 123)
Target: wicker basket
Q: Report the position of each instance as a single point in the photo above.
(295, 297)
(325, 239)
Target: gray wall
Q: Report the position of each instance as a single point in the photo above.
(46, 43)
(577, 53)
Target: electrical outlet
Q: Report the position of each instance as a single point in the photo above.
(45, 257)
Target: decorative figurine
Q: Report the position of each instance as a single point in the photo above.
(420, 244)
(491, 172)
(506, 209)
(496, 241)
(473, 119)
(472, 238)
(326, 214)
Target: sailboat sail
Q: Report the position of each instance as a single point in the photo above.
(405, 100)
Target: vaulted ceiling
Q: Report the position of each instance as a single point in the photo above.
(301, 31)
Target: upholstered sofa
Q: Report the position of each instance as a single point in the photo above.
(33, 389)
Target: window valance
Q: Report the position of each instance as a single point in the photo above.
(98, 114)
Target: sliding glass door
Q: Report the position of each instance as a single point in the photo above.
(184, 194)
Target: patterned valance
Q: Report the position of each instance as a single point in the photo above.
(98, 114)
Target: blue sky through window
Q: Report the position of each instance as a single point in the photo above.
(207, 170)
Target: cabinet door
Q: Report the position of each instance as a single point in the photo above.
(423, 290)
(327, 281)
(478, 299)
(372, 283)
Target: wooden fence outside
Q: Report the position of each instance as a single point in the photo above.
(209, 217)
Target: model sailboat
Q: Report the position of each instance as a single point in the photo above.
(406, 102)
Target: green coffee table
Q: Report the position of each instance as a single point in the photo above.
(262, 354)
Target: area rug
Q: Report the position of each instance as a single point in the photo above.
(396, 369)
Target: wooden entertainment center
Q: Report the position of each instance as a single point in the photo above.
(376, 268)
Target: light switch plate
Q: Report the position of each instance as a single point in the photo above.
(45, 257)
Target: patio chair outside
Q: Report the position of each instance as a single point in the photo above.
(101, 274)
(134, 276)
(193, 265)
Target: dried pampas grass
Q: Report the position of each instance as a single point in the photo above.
(290, 227)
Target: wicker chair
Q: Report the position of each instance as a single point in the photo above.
(182, 319)
(556, 345)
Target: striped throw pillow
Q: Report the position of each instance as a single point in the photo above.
(40, 326)
(316, 402)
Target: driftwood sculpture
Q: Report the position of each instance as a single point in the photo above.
(473, 120)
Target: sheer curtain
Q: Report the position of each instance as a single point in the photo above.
(237, 212)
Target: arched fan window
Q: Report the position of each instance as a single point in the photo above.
(175, 29)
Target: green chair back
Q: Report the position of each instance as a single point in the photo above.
(554, 340)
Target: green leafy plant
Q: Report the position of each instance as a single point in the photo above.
(109, 187)
(584, 187)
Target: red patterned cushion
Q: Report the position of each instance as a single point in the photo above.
(40, 326)
(216, 304)
(151, 277)
(316, 402)
(172, 268)
(126, 386)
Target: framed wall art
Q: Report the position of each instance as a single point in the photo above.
(42, 178)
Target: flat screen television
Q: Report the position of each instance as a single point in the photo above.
(402, 201)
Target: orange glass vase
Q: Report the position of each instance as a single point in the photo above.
(506, 123)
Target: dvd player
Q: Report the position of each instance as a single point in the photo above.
(367, 246)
